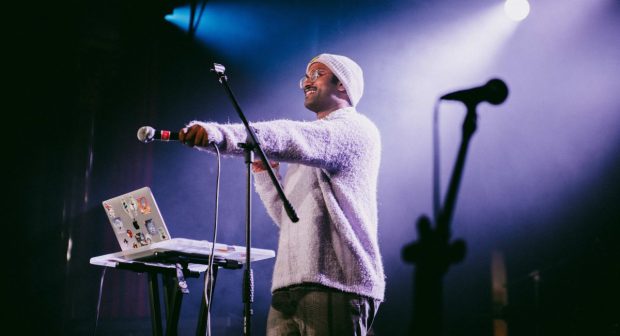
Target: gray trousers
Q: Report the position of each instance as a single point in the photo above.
(311, 310)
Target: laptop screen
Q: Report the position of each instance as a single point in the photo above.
(136, 219)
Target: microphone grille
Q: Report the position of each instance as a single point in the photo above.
(497, 91)
(146, 134)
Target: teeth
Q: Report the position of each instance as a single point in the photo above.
(309, 90)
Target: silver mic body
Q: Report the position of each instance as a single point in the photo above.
(148, 134)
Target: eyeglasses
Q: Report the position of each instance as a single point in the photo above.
(314, 75)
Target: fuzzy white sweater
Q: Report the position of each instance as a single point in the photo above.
(332, 184)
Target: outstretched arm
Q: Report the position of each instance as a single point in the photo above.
(333, 144)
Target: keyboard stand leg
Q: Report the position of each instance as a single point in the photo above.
(155, 305)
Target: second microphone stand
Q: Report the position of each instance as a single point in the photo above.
(250, 147)
(433, 253)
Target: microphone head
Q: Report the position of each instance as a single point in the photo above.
(146, 134)
(496, 91)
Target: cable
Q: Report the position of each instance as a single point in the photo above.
(436, 166)
(99, 299)
(209, 276)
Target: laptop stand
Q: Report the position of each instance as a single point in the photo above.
(174, 266)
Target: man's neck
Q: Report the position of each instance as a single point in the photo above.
(325, 113)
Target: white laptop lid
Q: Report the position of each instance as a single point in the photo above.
(136, 219)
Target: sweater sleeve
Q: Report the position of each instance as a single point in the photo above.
(269, 195)
(326, 143)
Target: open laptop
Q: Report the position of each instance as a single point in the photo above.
(136, 219)
(142, 233)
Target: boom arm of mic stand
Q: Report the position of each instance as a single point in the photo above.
(290, 211)
(446, 212)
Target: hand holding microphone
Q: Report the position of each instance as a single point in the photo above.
(192, 136)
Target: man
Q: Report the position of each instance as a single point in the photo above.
(328, 277)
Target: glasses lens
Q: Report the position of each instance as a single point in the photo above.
(315, 75)
(312, 78)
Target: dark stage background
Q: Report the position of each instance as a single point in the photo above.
(541, 185)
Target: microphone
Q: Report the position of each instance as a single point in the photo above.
(494, 91)
(147, 134)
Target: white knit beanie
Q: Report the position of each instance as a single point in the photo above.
(347, 71)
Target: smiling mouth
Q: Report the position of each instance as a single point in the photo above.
(308, 90)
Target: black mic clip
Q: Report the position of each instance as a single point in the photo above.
(219, 71)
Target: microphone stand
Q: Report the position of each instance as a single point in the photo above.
(433, 253)
(250, 147)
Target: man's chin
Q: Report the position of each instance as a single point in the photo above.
(310, 106)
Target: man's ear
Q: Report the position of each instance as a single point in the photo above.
(341, 87)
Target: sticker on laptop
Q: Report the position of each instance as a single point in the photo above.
(109, 210)
(118, 224)
(130, 206)
(143, 205)
(150, 226)
(162, 234)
